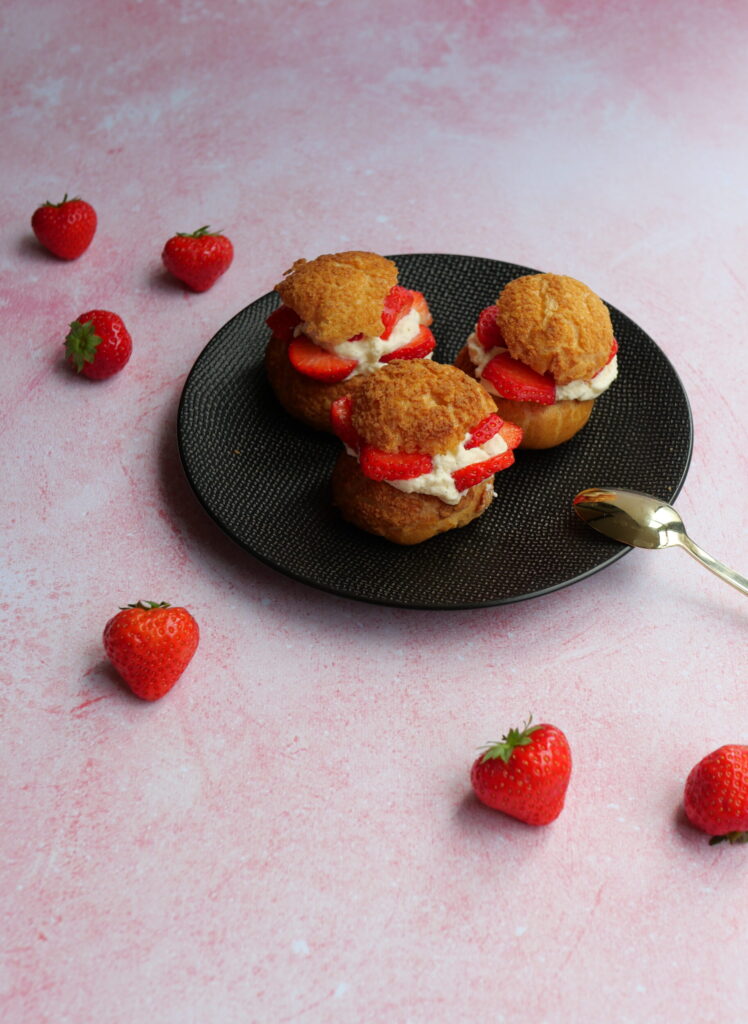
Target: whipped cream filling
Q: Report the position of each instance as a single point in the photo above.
(439, 481)
(582, 390)
(369, 350)
(575, 390)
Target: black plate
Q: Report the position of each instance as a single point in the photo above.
(263, 477)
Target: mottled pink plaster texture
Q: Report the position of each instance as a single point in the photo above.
(289, 835)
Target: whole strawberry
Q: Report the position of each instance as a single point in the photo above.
(98, 344)
(151, 644)
(716, 795)
(65, 228)
(198, 259)
(526, 774)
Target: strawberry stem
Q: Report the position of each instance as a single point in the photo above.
(200, 233)
(65, 199)
(730, 837)
(508, 743)
(81, 343)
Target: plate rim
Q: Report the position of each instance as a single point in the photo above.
(410, 605)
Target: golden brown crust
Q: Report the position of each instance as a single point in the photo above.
(338, 295)
(555, 325)
(307, 399)
(378, 507)
(416, 405)
(543, 426)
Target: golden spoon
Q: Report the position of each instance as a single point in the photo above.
(645, 522)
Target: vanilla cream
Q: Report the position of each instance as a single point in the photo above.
(367, 351)
(439, 481)
(582, 390)
(575, 390)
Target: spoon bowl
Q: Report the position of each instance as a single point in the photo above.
(633, 518)
(644, 521)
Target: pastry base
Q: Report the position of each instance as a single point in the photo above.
(377, 507)
(303, 397)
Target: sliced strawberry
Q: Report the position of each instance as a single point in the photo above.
(282, 322)
(340, 421)
(487, 330)
(511, 433)
(421, 306)
(318, 363)
(469, 476)
(486, 429)
(399, 301)
(518, 382)
(420, 346)
(379, 465)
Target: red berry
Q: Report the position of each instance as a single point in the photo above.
(526, 775)
(513, 380)
(716, 794)
(471, 475)
(379, 465)
(420, 346)
(316, 362)
(399, 301)
(511, 433)
(151, 644)
(421, 307)
(98, 344)
(613, 351)
(485, 430)
(198, 259)
(340, 421)
(65, 228)
(487, 330)
(282, 322)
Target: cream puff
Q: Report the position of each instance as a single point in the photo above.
(422, 444)
(342, 318)
(544, 352)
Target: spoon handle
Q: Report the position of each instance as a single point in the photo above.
(718, 568)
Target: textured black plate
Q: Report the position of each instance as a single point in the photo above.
(264, 478)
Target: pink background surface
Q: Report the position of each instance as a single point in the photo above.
(289, 835)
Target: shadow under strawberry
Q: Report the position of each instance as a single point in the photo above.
(27, 247)
(102, 676)
(473, 816)
(161, 280)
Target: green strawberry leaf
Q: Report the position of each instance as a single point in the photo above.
(200, 233)
(81, 343)
(730, 837)
(509, 743)
(147, 606)
(65, 199)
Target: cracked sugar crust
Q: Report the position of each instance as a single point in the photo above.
(556, 325)
(339, 295)
(417, 405)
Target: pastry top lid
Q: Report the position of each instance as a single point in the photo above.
(555, 324)
(339, 295)
(416, 405)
